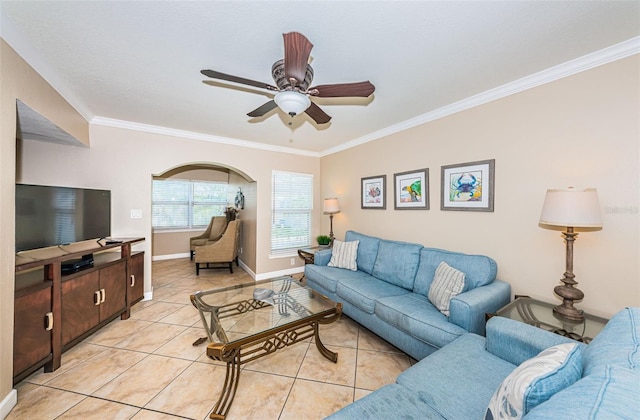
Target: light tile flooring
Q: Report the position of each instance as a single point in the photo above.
(147, 368)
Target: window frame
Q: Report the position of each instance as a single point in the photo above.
(278, 250)
(191, 203)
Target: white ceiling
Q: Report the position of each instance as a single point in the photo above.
(121, 62)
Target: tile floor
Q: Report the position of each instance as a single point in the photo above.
(147, 368)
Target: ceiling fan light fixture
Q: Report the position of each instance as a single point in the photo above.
(292, 102)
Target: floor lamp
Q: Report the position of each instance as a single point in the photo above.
(570, 208)
(331, 207)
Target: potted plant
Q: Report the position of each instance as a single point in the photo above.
(323, 240)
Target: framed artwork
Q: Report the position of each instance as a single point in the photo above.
(468, 186)
(411, 190)
(374, 189)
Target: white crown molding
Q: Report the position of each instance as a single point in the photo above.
(598, 58)
(190, 135)
(24, 49)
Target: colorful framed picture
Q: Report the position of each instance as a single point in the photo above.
(374, 189)
(468, 186)
(411, 190)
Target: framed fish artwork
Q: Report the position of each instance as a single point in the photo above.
(374, 190)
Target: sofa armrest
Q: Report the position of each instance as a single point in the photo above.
(515, 341)
(322, 257)
(468, 309)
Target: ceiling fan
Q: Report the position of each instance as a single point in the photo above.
(292, 76)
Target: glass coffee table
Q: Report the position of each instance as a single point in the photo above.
(249, 321)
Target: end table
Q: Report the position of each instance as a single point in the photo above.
(540, 314)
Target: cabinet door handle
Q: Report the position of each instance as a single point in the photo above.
(96, 297)
(133, 280)
(103, 295)
(49, 322)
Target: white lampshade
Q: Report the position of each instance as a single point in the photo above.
(331, 206)
(292, 102)
(572, 208)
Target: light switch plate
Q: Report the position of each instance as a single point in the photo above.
(135, 214)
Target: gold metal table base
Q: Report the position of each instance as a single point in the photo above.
(237, 353)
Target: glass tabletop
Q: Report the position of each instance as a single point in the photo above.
(234, 313)
(541, 315)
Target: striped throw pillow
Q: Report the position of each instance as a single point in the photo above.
(447, 283)
(343, 255)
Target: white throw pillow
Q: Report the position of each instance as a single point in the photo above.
(447, 283)
(535, 381)
(343, 255)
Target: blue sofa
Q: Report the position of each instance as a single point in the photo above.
(459, 380)
(388, 293)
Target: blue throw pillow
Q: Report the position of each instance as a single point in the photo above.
(535, 381)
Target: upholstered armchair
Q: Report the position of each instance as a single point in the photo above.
(223, 251)
(214, 231)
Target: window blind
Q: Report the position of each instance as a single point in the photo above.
(292, 205)
(186, 204)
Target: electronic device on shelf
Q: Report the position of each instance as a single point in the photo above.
(72, 266)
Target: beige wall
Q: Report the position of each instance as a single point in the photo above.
(579, 131)
(142, 155)
(19, 81)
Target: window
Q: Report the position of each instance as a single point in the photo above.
(291, 211)
(184, 204)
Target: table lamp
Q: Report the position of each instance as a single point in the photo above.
(331, 207)
(570, 208)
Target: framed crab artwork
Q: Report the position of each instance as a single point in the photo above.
(468, 186)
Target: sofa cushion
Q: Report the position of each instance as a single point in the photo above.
(458, 379)
(447, 283)
(610, 394)
(397, 263)
(535, 381)
(479, 269)
(363, 291)
(617, 344)
(344, 255)
(367, 250)
(413, 314)
(328, 277)
(385, 403)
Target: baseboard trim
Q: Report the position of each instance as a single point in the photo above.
(272, 274)
(170, 256)
(148, 296)
(8, 403)
(256, 277)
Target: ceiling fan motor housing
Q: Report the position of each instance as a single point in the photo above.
(277, 71)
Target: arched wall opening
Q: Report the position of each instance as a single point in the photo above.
(172, 244)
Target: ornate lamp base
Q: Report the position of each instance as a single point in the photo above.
(568, 293)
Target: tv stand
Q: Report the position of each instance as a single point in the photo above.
(62, 295)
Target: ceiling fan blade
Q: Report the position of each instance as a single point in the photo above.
(230, 78)
(263, 109)
(317, 114)
(296, 55)
(361, 89)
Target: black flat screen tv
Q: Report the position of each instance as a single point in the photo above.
(48, 216)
